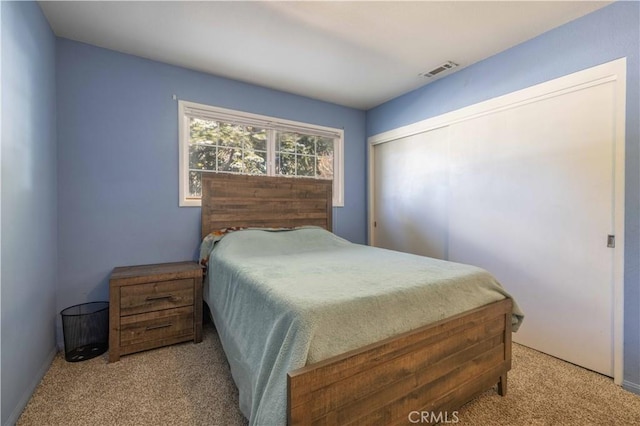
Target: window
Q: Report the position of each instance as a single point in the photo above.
(217, 140)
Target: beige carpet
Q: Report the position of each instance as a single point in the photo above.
(190, 384)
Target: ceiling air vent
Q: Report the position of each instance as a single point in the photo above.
(439, 69)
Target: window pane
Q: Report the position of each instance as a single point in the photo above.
(202, 157)
(286, 164)
(324, 146)
(324, 166)
(306, 165)
(202, 131)
(258, 140)
(223, 158)
(286, 142)
(195, 184)
(231, 135)
(306, 144)
(255, 162)
(226, 158)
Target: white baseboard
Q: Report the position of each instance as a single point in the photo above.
(17, 411)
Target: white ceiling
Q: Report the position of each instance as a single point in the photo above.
(358, 54)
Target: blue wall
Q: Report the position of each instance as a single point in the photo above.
(101, 190)
(118, 161)
(607, 34)
(29, 203)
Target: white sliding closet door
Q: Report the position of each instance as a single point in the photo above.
(528, 186)
(411, 194)
(532, 201)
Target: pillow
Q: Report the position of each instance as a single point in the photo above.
(210, 240)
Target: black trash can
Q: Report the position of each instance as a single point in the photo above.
(86, 330)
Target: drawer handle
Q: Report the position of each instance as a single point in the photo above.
(152, 298)
(155, 327)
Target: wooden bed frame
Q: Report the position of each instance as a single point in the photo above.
(421, 376)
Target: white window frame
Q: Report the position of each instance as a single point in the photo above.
(188, 109)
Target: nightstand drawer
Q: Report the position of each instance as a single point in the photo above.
(159, 325)
(137, 299)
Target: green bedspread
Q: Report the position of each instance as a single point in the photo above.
(282, 300)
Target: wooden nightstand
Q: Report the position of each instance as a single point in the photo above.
(154, 305)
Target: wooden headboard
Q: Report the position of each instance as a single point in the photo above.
(264, 201)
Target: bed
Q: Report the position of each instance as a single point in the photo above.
(305, 348)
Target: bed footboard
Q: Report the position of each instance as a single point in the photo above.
(421, 376)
